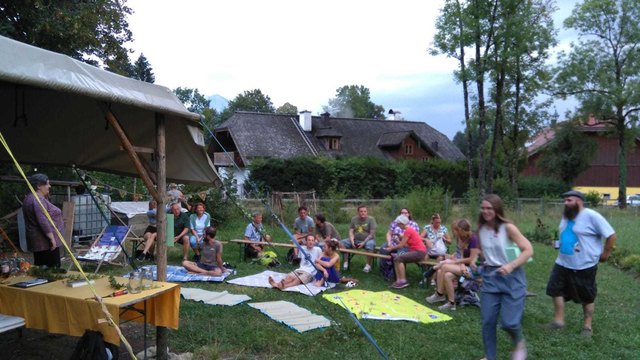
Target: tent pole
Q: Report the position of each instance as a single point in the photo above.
(126, 144)
(162, 334)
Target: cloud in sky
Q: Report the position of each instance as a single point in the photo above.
(300, 52)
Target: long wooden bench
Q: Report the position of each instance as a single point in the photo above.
(427, 261)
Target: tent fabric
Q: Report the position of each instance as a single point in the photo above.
(52, 111)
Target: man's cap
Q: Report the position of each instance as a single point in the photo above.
(402, 219)
(575, 193)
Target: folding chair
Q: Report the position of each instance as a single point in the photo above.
(107, 247)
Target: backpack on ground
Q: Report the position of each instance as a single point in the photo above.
(92, 347)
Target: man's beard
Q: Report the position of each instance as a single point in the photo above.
(570, 212)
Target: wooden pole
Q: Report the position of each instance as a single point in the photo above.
(162, 333)
(126, 144)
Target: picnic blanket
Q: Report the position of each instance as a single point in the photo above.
(262, 280)
(180, 274)
(385, 305)
(292, 315)
(213, 297)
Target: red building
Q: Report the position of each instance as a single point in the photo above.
(602, 176)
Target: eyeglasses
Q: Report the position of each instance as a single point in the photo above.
(404, 212)
(486, 208)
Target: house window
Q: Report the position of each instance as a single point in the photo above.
(334, 144)
(408, 149)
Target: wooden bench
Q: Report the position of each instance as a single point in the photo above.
(376, 255)
(244, 243)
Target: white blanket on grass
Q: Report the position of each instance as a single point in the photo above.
(262, 280)
(291, 315)
(213, 297)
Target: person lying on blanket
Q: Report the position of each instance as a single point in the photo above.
(327, 264)
(210, 262)
(305, 273)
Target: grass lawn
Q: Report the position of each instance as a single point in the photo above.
(242, 332)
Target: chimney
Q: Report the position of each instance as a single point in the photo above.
(305, 120)
(394, 115)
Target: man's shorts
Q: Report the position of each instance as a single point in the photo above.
(304, 276)
(206, 267)
(577, 285)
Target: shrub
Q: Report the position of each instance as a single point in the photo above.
(540, 186)
(593, 198)
(541, 233)
(424, 202)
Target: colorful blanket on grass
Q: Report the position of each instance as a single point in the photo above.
(262, 280)
(385, 305)
(180, 274)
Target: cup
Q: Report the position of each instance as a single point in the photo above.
(147, 279)
(135, 282)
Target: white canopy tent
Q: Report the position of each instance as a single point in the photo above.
(59, 111)
(53, 108)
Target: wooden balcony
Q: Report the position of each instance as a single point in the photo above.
(224, 159)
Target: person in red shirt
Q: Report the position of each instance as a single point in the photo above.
(417, 251)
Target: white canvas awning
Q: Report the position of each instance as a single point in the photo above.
(52, 111)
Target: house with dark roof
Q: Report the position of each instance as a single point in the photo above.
(249, 135)
(602, 175)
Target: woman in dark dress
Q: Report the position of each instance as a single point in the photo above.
(42, 237)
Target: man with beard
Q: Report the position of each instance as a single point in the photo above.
(574, 274)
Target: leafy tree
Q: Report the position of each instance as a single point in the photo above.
(253, 100)
(287, 108)
(354, 101)
(568, 154)
(198, 103)
(451, 39)
(603, 69)
(91, 31)
(142, 70)
(507, 44)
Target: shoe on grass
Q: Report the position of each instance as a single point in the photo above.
(435, 298)
(367, 268)
(586, 333)
(400, 285)
(554, 325)
(448, 306)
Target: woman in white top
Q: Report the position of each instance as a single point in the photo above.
(504, 286)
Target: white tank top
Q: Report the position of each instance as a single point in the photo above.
(494, 244)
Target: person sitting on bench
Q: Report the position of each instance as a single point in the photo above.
(255, 232)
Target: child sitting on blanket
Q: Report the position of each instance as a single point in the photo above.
(327, 264)
(304, 274)
(210, 262)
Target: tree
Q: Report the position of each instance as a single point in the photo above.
(91, 31)
(568, 154)
(142, 70)
(508, 42)
(451, 39)
(287, 108)
(253, 100)
(603, 69)
(354, 101)
(198, 103)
